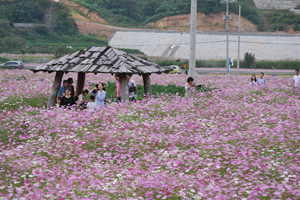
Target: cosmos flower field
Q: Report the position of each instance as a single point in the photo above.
(235, 142)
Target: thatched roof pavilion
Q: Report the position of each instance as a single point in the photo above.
(100, 60)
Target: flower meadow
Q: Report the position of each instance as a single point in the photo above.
(235, 142)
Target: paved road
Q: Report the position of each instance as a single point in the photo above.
(243, 71)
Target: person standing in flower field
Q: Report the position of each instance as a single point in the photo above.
(296, 79)
(61, 92)
(190, 88)
(118, 88)
(100, 94)
(261, 80)
(70, 81)
(132, 89)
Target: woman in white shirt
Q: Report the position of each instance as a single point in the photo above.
(82, 101)
(296, 79)
(100, 94)
(190, 88)
(253, 81)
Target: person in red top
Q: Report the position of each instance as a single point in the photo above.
(70, 81)
(118, 89)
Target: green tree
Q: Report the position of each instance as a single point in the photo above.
(61, 51)
(16, 42)
(150, 7)
(249, 59)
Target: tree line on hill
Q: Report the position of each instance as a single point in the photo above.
(142, 12)
(53, 26)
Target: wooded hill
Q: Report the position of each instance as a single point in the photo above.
(53, 28)
(138, 13)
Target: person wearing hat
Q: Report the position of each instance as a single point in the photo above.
(118, 88)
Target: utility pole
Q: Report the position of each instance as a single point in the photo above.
(227, 45)
(227, 17)
(193, 24)
(239, 40)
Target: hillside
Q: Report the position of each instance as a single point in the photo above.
(52, 27)
(163, 14)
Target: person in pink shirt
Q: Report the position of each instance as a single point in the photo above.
(118, 89)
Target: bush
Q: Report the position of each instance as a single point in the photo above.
(61, 51)
(12, 42)
(42, 30)
(3, 59)
(249, 59)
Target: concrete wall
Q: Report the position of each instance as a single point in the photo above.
(209, 46)
(276, 4)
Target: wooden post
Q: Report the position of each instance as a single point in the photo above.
(124, 87)
(80, 83)
(55, 88)
(147, 85)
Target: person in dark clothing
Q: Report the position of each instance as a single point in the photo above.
(70, 81)
(68, 100)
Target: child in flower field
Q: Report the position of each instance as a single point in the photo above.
(61, 92)
(190, 88)
(91, 105)
(70, 81)
(82, 101)
(58, 102)
(261, 80)
(253, 80)
(296, 79)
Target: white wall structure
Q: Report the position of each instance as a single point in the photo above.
(209, 46)
(276, 4)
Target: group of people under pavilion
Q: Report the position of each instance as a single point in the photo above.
(101, 60)
(66, 96)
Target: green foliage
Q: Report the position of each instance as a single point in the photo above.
(41, 30)
(40, 39)
(282, 20)
(279, 65)
(132, 51)
(142, 12)
(221, 64)
(14, 104)
(249, 59)
(61, 51)
(3, 59)
(110, 89)
(13, 41)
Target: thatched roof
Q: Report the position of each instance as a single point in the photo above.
(102, 60)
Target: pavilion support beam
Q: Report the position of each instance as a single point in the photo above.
(80, 83)
(147, 85)
(55, 89)
(124, 87)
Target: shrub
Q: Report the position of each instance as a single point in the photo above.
(61, 51)
(3, 59)
(249, 59)
(12, 41)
